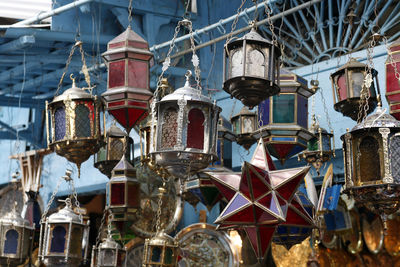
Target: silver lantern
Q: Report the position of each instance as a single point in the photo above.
(62, 238)
(186, 131)
(110, 254)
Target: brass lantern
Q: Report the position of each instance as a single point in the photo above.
(244, 124)
(62, 236)
(372, 158)
(74, 124)
(123, 194)
(251, 68)
(284, 117)
(186, 132)
(16, 237)
(347, 83)
(128, 95)
(393, 78)
(118, 143)
(110, 253)
(161, 250)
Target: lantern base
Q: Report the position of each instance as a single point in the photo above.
(350, 107)
(106, 166)
(245, 140)
(250, 90)
(8, 261)
(202, 189)
(61, 262)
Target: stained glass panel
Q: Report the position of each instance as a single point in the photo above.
(283, 108)
(58, 239)
(82, 121)
(195, 132)
(117, 194)
(11, 242)
(59, 118)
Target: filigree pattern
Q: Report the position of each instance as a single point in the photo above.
(169, 129)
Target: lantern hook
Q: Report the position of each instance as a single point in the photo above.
(73, 80)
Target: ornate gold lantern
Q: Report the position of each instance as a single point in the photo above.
(16, 237)
(74, 129)
(186, 131)
(244, 124)
(128, 95)
(118, 143)
(372, 156)
(251, 68)
(347, 83)
(161, 250)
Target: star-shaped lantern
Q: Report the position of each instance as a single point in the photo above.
(260, 199)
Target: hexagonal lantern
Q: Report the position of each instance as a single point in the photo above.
(347, 83)
(123, 194)
(161, 250)
(128, 95)
(284, 118)
(62, 236)
(244, 124)
(118, 143)
(251, 68)
(110, 254)
(374, 142)
(74, 125)
(186, 131)
(392, 79)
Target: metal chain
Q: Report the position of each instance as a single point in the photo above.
(268, 11)
(162, 191)
(195, 58)
(391, 59)
(75, 196)
(109, 222)
(233, 27)
(51, 200)
(71, 53)
(326, 111)
(103, 219)
(130, 13)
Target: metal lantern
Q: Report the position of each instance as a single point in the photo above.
(110, 254)
(161, 250)
(347, 83)
(128, 95)
(284, 118)
(123, 193)
(319, 148)
(244, 124)
(251, 68)
(62, 236)
(372, 158)
(118, 143)
(75, 124)
(392, 79)
(186, 132)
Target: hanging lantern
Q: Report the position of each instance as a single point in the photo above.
(118, 143)
(161, 250)
(185, 139)
(319, 148)
(16, 236)
(251, 68)
(347, 83)
(75, 124)
(372, 156)
(393, 79)
(244, 124)
(110, 254)
(62, 238)
(128, 95)
(284, 118)
(123, 194)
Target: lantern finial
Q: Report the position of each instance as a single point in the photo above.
(188, 75)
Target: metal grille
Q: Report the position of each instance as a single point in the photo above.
(369, 154)
(116, 150)
(59, 119)
(395, 157)
(82, 121)
(169, 128)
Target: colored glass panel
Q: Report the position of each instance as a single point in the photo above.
(168, 256)
(59, 119)
(342, 87)
(263, 111)
(236, 126)
(57, 244)
(238, 202)
(227, 154)
(169, 128)
(117, 194)
(313, 144)
(82, 121)
(11, 242)
(283, 108)
(195, 131)
(116, 74)
(326, 142)
(369, 154)
(302, 111)
(392, 83)
(101, 155)
(156, 254)
(138, 74)
(76, 241)
(133, 195)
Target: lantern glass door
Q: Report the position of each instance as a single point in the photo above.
(256, 63)
(284, 107)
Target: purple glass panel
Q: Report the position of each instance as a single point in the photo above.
(302, 111)
(237, 202)
(263, 111)
(58, 239)
(11, 242)
(59, 118)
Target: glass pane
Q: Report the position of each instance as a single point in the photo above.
(156, 254)
(369, 155)
(395, 156)
(342, 88)
(101, 155)
(195, 132)
(116, 149)
(82, 121)
(248, 124)
(116, 74)
(169, 128)
(302, 111)
(138, 74)
(326, 142)
(59, 118)
(76, 241)
(108, 257)
(255, 63)
(313, 144)
(236, 126)
(58, 239)
(237, 63)
(118, 194)
(168, 256)
(283, 108)
(11, 242)
(357, 81)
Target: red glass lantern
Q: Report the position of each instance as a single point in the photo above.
(393, 79)
(128, 95)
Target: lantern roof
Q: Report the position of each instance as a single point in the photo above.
(123, 168)
(114, 130)
(127, 35)
(245, 111)
(162, 239)
(65, 215)
(109, 243)
(379, 119)
(72, 93)
(353, 64)
(14, 218)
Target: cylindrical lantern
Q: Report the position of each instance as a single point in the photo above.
(372, 156)
(161, 250)
(251, 68)
(244, 124)
(110, 253)
(347, 83)
(186, 131)
(284, 118)
(62, 237)
(123, 193)
(118, 143)
(393, 79)
(74, 129)
(128, 95)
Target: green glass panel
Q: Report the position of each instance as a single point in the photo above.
(168, 256)
(313, 144)
(156, 255)
(283, 108)
(237, 126)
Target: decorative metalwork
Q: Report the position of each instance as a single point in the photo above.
(373, 234)
(134, 252)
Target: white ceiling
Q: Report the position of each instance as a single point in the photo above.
(23, 9)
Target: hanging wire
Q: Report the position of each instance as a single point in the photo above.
(130, 13)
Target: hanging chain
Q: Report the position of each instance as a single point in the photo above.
(53, 196)
(85, 69)
(233, 27)
(103, 220)
(268, 11)
(130, 13)
(326, 111)
(75, 196)
(391, 60)
(109, 226)
(162, 191)
(71, 53)
(195, 58)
